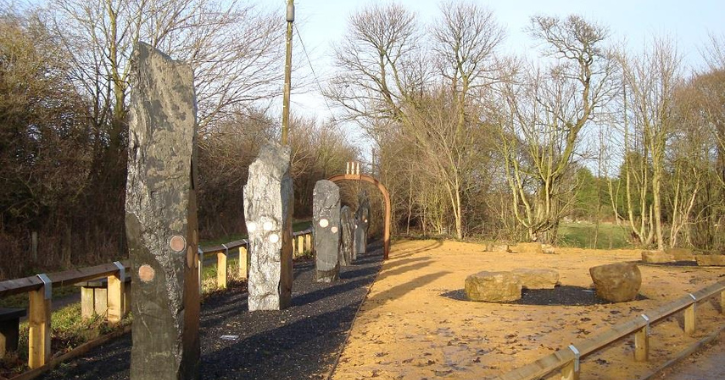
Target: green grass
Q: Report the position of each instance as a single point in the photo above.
(582, 235)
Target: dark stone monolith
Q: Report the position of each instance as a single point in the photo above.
(161, 224)
(268, 201)
(347, 227)
(326, 219)
(362, 223)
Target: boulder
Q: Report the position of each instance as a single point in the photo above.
(657, 257)
(493, 287)
(681, 254)
(498, 248)
(537, 278)
(548, 249)
(710, 260)
(618, 282)
(529, 248)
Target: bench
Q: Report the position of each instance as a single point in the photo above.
(94, 297)
(9, 327)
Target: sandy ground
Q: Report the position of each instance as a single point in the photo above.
(414, 324)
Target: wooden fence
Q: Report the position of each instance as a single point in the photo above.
(40, 289)
(568, 360)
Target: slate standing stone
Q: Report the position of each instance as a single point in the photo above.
(347, 227)
(326, 219)
(268, 200)
(362, 224)
(161, 223)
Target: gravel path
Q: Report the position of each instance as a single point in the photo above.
(301, 342)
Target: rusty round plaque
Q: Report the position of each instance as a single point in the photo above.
(146, 273)
(333, 230)
(177, 243)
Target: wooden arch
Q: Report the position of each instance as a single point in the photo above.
(354, 175)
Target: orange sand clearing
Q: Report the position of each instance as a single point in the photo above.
(409, 327)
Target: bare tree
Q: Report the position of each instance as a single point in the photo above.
(545, 112)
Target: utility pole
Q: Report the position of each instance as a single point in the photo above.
(287, 73)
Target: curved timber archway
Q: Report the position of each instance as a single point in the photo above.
(353, 174)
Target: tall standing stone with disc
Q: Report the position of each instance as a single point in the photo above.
(362, 223)
(347, 227)
(326, 219)
(268, 200)
(161, 224)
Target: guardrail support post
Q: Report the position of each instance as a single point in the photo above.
(722, 302)
(300, 245)
(116, 283)
(308, 243)
(243, 260)
(569, 372)
(641, 342)
(39, 324)
(690, 320)
(221, 269)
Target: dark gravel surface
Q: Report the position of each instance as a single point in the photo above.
(301, 342)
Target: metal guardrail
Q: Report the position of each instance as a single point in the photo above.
(39, 288)
(568, 360)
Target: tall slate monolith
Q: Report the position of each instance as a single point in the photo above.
(347, 227)
(326, 219)
(161, 222)
(362, 223)
(268, 200)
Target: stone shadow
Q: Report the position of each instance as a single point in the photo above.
(564, 295)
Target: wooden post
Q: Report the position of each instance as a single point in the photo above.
(641, 345)
(221, 269)
(690, 320)
(569, 372)
(308, 243)
(243, 260)
(39, 327)
(300, 245)
(722, 302)
(115, 293)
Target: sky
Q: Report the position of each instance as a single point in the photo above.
(320, 23)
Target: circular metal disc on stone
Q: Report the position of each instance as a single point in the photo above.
(268, 226)
(146, 273)
(333, 230)
(251, 227)
(324, 223)
(274, 238)
(177, 243)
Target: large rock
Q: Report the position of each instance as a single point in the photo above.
(362, 224)
(498, 248)
(681, 254)
(161, 221)
(710, 260)
(326, 221)
(528, 248)
(493, 287)
(619, 282)
(657, 257)
(537, 278)
(347, 226)
(268, 200)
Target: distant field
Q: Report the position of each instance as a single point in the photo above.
(584, 235)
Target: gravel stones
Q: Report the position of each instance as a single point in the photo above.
(618, 282)
(493, 287)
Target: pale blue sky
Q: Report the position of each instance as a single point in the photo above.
(321, 22)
